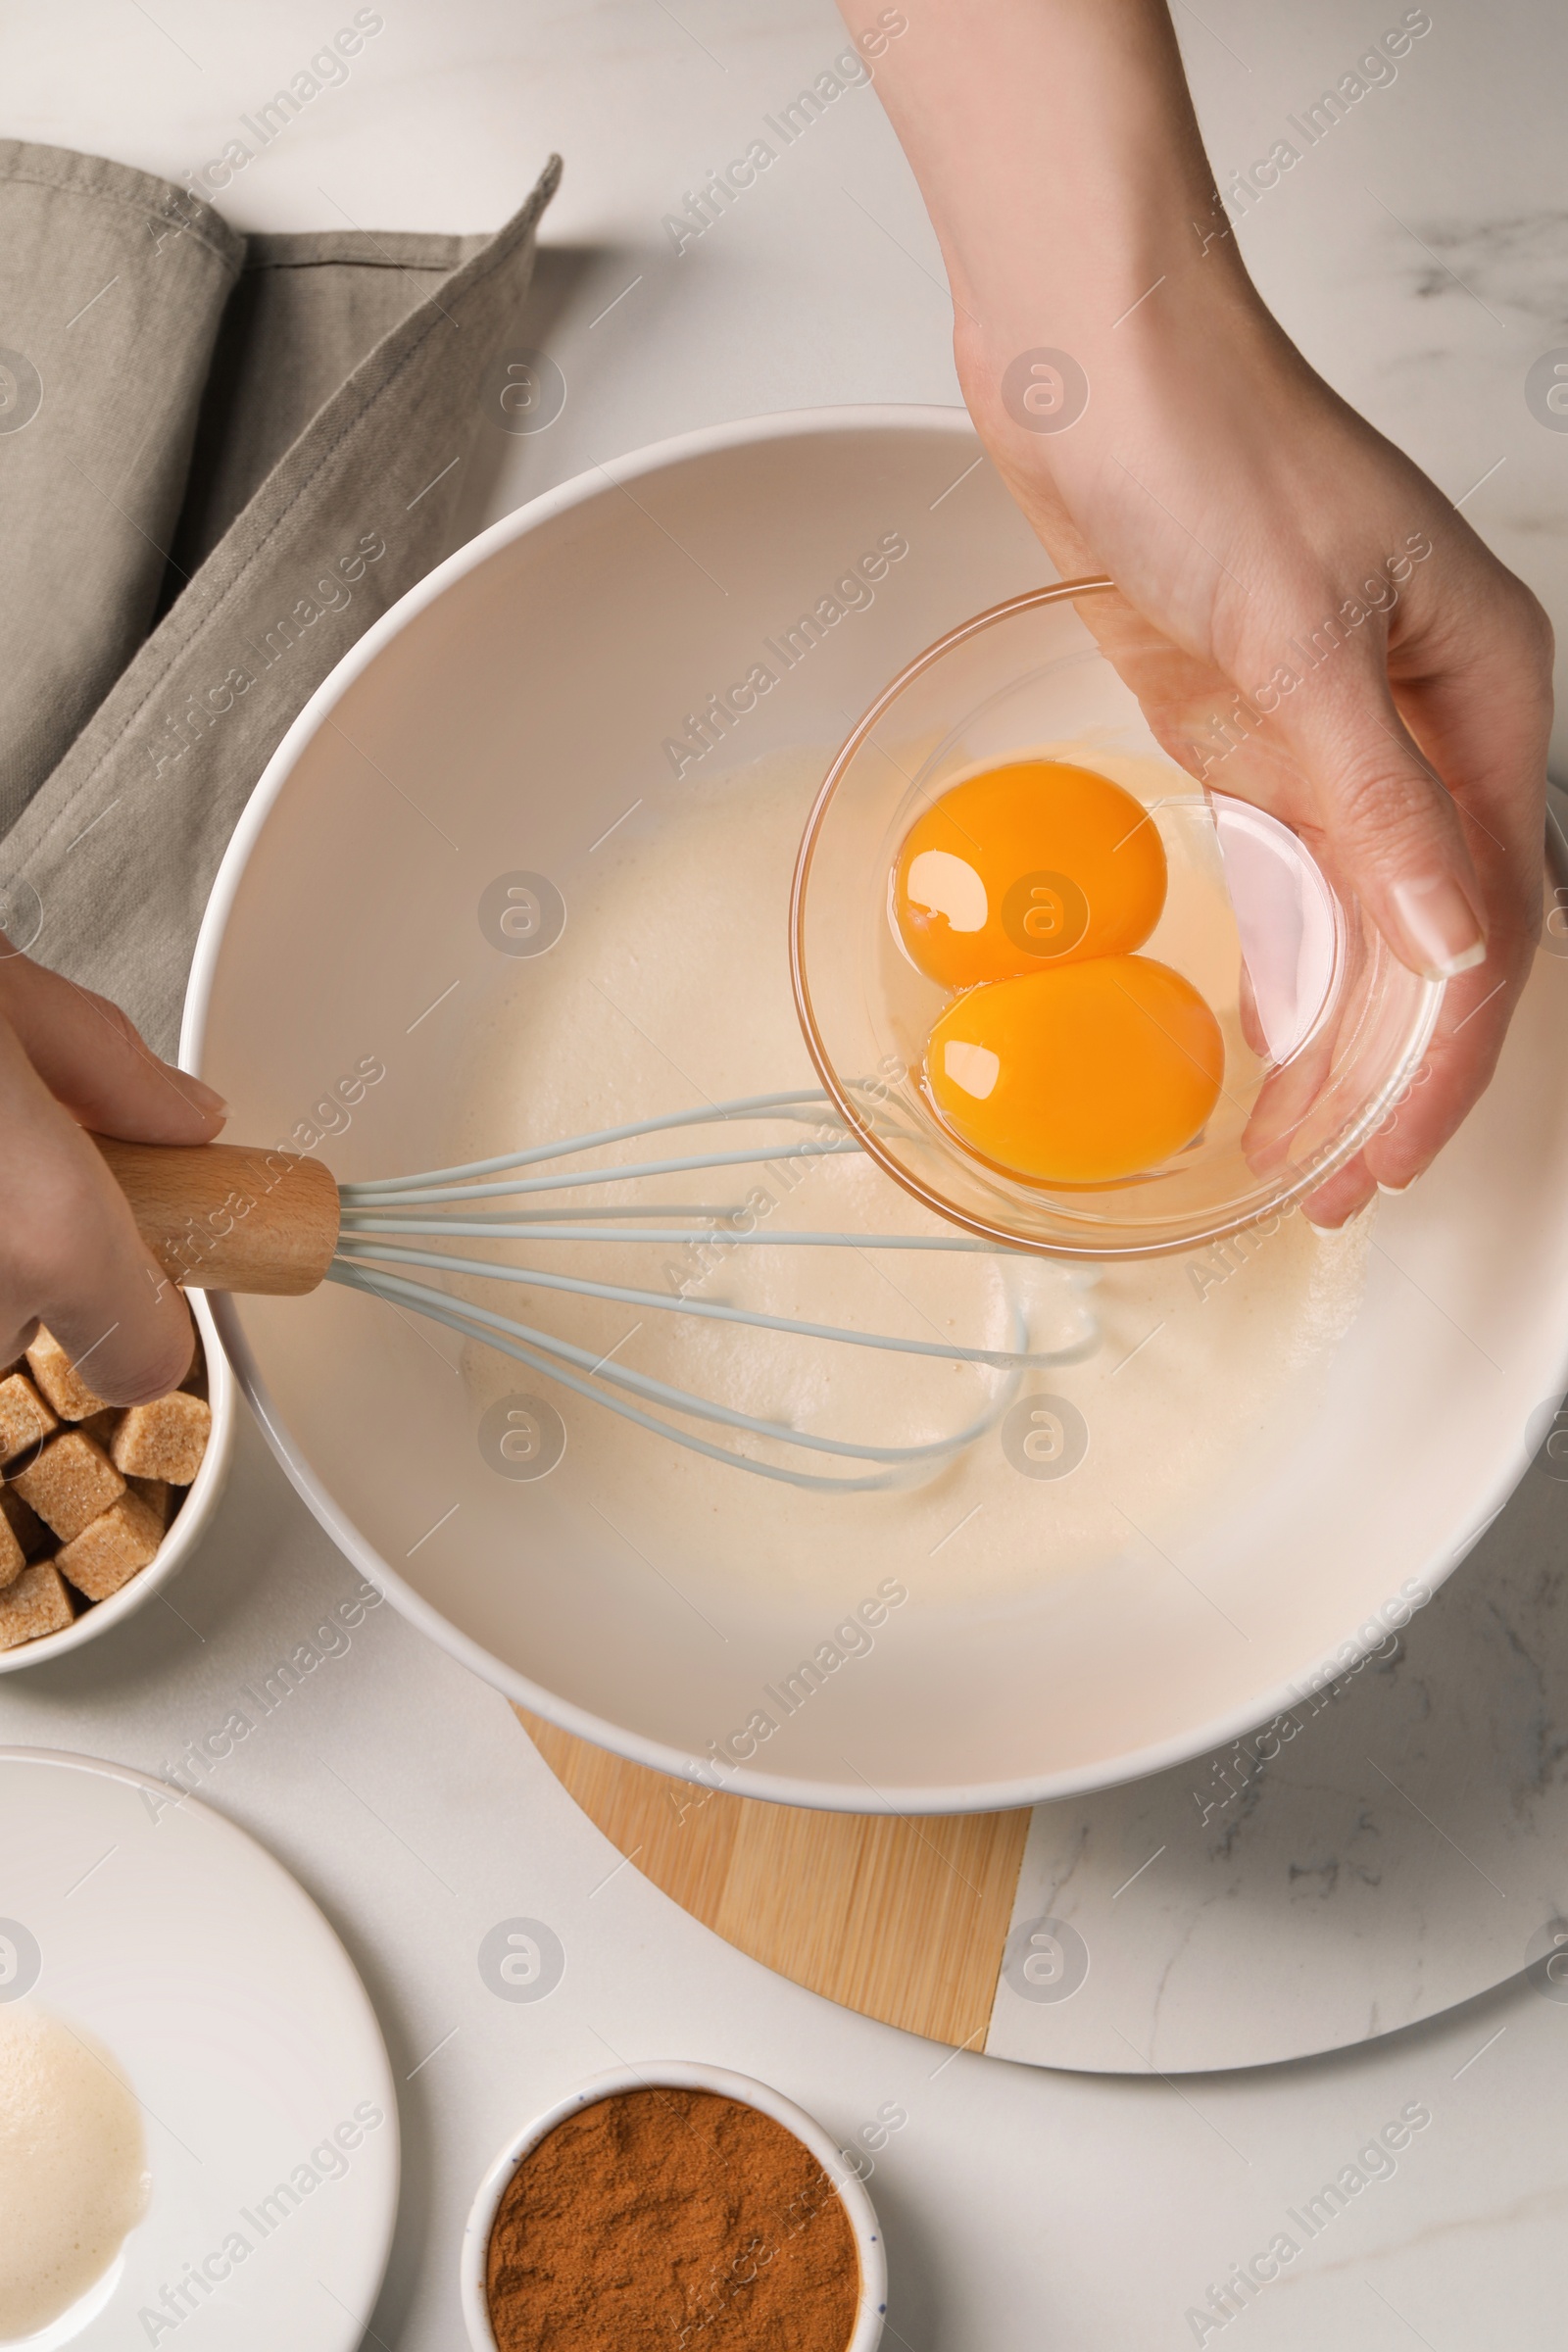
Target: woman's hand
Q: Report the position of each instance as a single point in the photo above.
(69, 1252)
(1331, 641)
(1309, 622)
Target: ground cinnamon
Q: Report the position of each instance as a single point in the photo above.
(672, 2221)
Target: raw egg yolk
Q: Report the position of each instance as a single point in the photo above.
(1031, 865)
(1078, 1074)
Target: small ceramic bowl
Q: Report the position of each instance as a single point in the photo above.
(679, 2075)
(189, 1525)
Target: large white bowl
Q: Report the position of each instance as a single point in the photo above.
(498, 719)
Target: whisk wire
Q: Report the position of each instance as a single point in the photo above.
(538, 1347)
(745, 1106)
(667, 1302)
(367, 1195)
(375, 1212)
(500, 1226)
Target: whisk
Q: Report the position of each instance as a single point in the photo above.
(231, 1217)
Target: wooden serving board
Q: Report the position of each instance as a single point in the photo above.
(902, 1916)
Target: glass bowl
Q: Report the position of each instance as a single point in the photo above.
(1323, 1027)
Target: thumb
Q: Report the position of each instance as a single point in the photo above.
(91, 1058)
(1392, 829)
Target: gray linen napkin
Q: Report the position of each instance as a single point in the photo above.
(111, 285)
(268, 435)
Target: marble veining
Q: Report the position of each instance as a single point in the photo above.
(1513, 260)
(1385, 1858)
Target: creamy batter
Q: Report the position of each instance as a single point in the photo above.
(670, 987)
(72, 2166)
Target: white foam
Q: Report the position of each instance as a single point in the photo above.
(72, 2167)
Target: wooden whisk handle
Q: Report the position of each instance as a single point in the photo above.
(228, 1216)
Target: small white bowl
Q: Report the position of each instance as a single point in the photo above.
(679, 2073)
(190, 1523)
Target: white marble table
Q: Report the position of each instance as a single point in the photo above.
(1392, 1844)
(1416, 256)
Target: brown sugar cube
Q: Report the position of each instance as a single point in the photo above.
(70, 1484)
(56, 1375)
(24, 1523)
(158, 1495)
(166, 1439)
(35, 1604)
(13, 1560)
(108, 1553)
(24, 1418)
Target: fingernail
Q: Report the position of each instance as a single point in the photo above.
(205, 1098)
(1394, 1190)
(1439, 926)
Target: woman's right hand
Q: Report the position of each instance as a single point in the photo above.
(69, 1252)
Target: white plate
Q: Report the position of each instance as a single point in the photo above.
(246, 2037)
